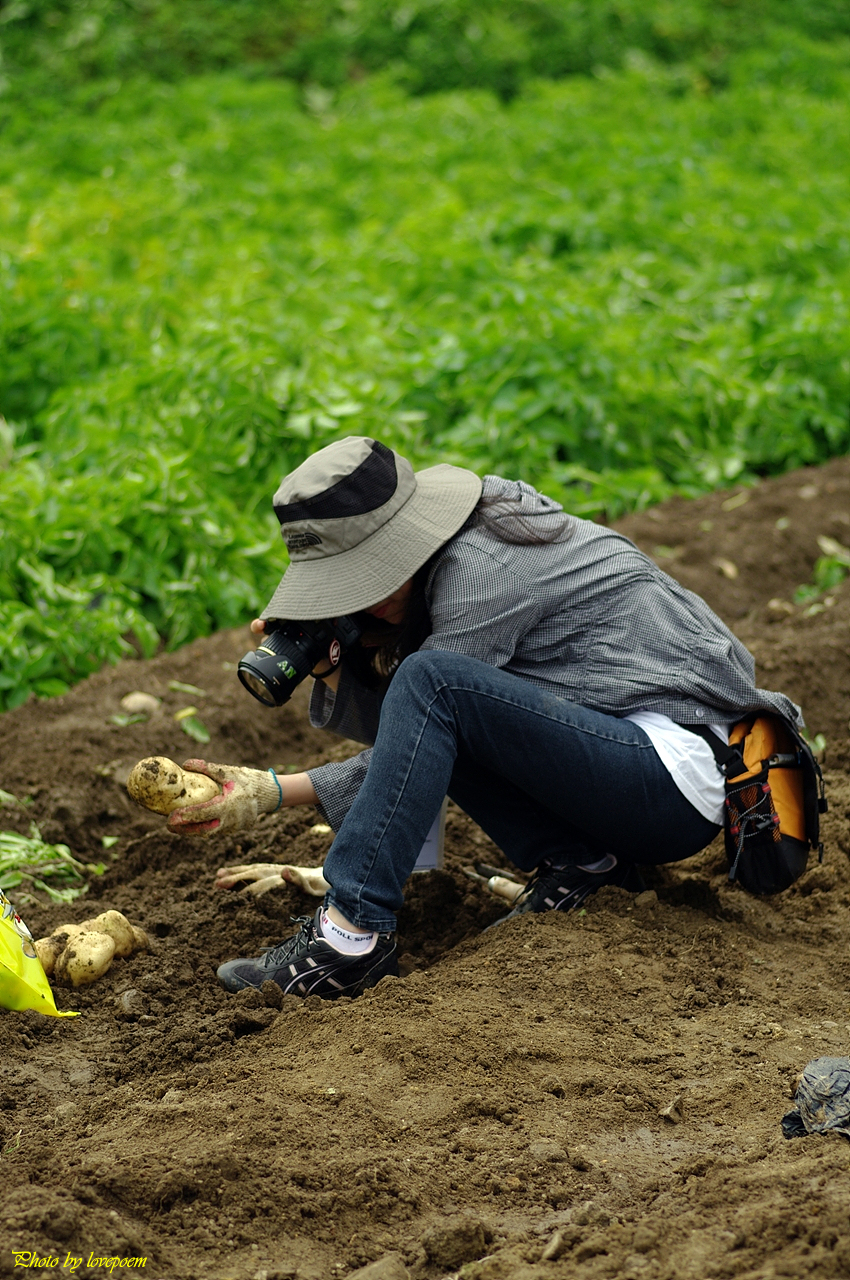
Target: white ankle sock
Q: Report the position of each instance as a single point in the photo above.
(343, 940)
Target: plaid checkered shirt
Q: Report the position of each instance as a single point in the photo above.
(588, 617)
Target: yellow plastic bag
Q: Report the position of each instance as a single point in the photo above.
(23, 982)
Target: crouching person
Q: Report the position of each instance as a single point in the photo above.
(534, 666)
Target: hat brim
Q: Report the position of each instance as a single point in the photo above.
(328, 586)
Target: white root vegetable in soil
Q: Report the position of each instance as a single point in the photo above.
(159, 784)
(85, 959)
(140, 703)
(80, 953)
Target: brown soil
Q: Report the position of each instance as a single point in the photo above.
(511, 1085)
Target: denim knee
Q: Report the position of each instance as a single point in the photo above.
(426, 668)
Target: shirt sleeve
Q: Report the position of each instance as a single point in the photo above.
(479, 607)
(352, 710)
(336, 785)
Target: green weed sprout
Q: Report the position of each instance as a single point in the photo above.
(30, 862)
(830, 569)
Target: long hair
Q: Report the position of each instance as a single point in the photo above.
(384, 645)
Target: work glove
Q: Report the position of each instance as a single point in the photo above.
(245, 794)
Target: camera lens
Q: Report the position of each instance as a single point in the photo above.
(255, 683)
(289, 652)
(282, 661)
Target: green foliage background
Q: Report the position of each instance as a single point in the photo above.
(600, 246)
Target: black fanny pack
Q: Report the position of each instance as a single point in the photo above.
(774, 799)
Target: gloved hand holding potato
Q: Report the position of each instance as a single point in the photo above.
(245, 794)
(201, 798)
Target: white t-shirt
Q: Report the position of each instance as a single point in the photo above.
(689, 759)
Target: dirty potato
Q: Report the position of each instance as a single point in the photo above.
(141, 942)
(159, 784)
(117, 927)
(49, 950)
(85, 959)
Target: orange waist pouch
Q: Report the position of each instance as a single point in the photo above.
(774, 799)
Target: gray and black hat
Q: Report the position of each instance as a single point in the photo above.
(358, 522)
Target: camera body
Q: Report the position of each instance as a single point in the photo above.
(290, 651)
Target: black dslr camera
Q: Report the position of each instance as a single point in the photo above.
(290, 651)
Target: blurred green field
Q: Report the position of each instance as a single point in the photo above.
(426, 46)
(617, 286)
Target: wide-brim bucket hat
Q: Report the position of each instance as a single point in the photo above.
(358, 522)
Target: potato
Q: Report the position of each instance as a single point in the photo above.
(64, 933)
(141, 941)
(65, 928)
(48, 951)
(159, 784)
(138, 703)
(116, 927)
(85, 959)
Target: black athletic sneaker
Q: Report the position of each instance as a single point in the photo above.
(564, 888)
(306, 965)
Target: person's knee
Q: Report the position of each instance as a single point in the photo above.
(419, 670)
(431, 667)
(426, 674)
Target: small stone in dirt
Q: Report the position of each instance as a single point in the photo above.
(172, 1097)
(65, 1110)
(390, 1267)
(457, 1241)
(673, 1111)
(591, 1214)
(131, 1005)
(649, 898)
(547, 1149)
(556, 1246)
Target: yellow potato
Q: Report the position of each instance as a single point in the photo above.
(63, 934)
(85, 959)
(137, 702)
(159, 784)
(48, 951)
(65, 928)
(115, 926)
(140, 938)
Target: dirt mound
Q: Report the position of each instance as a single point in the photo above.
(595, 1094)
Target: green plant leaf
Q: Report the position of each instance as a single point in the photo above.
(195, 728)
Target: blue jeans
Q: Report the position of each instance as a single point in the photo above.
(543, 777)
